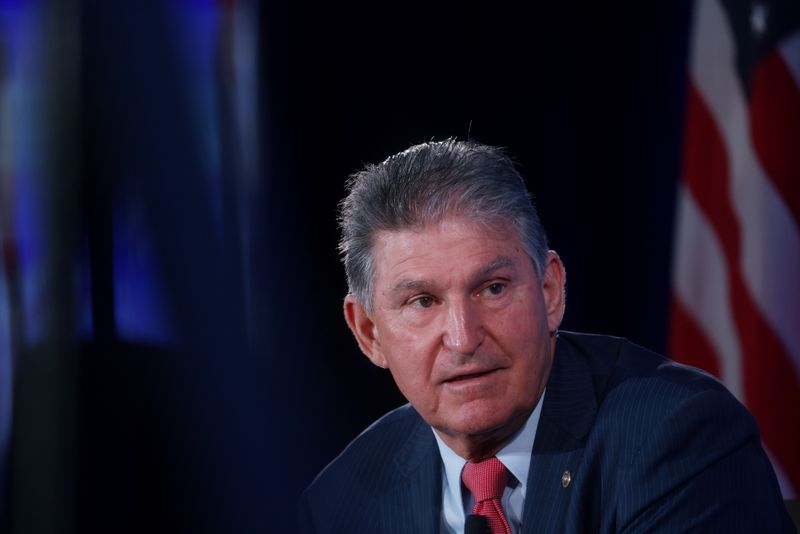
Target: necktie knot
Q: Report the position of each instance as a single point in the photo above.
(485, 479)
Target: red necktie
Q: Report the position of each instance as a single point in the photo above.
(486, 480)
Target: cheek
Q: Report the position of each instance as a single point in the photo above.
(411, 360)
(523, 325)
(523, 337)
(406, 343)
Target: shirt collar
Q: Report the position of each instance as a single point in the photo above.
(515, 455)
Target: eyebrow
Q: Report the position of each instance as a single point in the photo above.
(500, 262)
(411, 285)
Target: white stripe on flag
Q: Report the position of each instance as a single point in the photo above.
(700, 282)
(790, 53)
(770, 252)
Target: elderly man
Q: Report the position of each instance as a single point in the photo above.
(513, 426)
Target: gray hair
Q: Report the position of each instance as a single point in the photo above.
(423, 185)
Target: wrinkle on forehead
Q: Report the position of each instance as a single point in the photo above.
(410, 284)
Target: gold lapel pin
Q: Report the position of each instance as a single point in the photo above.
(566, 478)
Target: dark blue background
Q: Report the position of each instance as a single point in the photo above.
(260, 383)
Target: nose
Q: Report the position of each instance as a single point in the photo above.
(463, 329)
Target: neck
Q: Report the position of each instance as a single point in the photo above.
(476, 447)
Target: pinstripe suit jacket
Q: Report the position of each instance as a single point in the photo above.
(650, 445)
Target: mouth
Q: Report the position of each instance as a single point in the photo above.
(466, 378)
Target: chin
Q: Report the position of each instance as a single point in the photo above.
(485, 421)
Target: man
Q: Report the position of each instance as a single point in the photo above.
(511, 424)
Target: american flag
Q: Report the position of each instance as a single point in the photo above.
(736, 274)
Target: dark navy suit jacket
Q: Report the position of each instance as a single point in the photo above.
(650, 445)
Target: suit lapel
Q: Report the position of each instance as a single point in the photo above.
(413, 505)
(567, 416)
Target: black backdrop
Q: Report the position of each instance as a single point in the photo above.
(588, 100)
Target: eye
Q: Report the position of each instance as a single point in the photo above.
(424, 301)
(494, 289)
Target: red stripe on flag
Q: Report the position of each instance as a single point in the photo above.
(687, 343)
(705, 171)
(775, 127)
(771, 387)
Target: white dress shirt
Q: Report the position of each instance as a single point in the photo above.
(457, 502)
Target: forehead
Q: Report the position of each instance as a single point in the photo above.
(444, 249)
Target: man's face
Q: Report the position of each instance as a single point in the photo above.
(462, 321)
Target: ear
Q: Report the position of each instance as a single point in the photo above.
(554, 281)
(364, 330)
